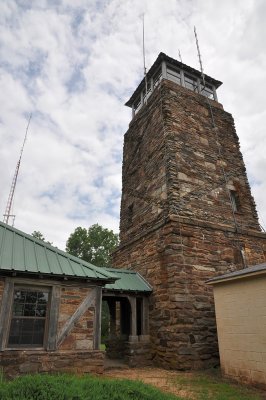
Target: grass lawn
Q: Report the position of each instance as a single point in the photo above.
(211, 386)
(193, 386)
(69, 387)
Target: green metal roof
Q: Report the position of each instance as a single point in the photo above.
(23, 254)
(129, 281)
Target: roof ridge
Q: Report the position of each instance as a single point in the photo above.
(147, 283)
(128, 271)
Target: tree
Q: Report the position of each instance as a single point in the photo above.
(93, 245)
(39, 235)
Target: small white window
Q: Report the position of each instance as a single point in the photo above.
(173, 75)
(137, 105)
(157, 78)
(207, 91)
(191, 83)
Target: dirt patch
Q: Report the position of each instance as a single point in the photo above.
(187, 385)
(157, 377)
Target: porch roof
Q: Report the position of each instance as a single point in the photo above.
(127, 281)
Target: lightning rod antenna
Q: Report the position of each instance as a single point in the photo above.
(179, 53)
(144, 59)
(199, 55)
(7, 213)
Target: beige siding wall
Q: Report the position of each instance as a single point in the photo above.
(241, 321)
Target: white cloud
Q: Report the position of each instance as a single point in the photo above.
(74, 64)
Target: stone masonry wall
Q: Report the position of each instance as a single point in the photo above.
(177, 259)
(15, 363)
(199, 158)
(144, 183)
(81, 336)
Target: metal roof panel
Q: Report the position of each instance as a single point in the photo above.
(21, 252)
(129, 281)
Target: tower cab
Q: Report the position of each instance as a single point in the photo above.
(168, 68)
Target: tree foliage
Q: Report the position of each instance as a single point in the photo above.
(93, 245)
(39, 235)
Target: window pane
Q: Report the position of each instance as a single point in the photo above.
(26, 332)
(157, 78)
(19, 296)
(18, 309)
(26, 329)
(31, 297)
(138, 105)
(40, 310)
(42, 297)
(29, 310)
(38, 332)
(208, 91)
(191, 83)
(173, 75)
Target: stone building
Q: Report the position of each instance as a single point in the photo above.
(50, 309)
(187, 213)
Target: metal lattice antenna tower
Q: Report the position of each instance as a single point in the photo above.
(7, 213)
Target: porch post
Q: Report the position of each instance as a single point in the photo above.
(133, 331)
(112, 310)
(97, 318)
(144, 337)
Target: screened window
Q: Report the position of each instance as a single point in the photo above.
(148, 92)
(157, 78)
(208, 92)
(138, 105)
(173, 75)
(191, 83)
(28, 319)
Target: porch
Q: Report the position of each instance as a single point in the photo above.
(128, 305)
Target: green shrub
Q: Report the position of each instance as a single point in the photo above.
(68, 387)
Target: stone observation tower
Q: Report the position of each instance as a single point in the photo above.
(187, 213)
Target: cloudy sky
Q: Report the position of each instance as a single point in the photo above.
(73, 65)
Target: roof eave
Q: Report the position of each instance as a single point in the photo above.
(127, 291)
(248, 274)
(34, 275)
